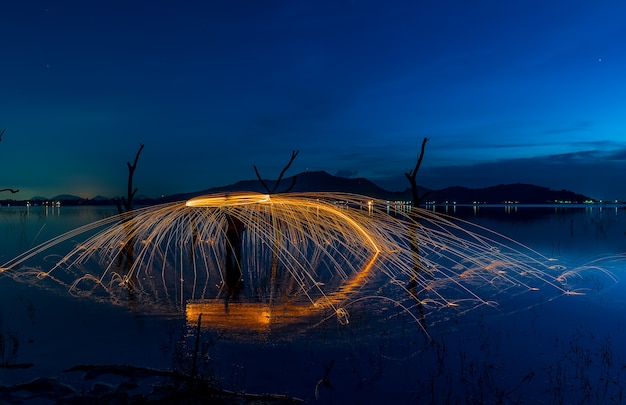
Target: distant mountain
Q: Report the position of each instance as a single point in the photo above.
(317, 181)
(516, 193)
(320, 181)
(66, 197)
(100, 198)
(61, 197)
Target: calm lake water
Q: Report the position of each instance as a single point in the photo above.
(531, 348)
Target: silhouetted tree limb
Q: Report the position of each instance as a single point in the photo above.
(282, 173)
(265, 186)
(124, 207)
(127, 202)
(2, 131)
(414, 237)
(412, 174)
(277, 228)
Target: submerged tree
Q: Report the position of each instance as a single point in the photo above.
(125, 204)
(294, 154)
(413, 234)
(277, 228)
(412, 175)
(233, 271)
(12, 190)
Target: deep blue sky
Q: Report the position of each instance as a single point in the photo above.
(507, 91)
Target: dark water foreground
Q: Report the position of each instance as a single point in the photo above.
(531, 348)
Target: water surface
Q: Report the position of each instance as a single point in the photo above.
(530, 347)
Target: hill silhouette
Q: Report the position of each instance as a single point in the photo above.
(507, 193)
(322, 181)
(318, 181)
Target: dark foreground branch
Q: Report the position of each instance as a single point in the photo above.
(294, 154)
(412, 174)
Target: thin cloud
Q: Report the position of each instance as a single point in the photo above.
(580, 126)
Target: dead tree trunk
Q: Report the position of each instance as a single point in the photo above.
(413, 231)
(234, 230)
(277, 227)
(126, 203)
(412, 175)
(124, 207)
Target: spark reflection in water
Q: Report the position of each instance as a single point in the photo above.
(255, 261)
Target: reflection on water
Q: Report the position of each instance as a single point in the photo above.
(24, 227)
(290, 249)
(531, 348)
(575, 232)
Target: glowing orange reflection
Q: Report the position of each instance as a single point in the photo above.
(216, 314)
(261, 316)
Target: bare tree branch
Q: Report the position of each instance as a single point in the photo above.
(127, 202)
(2, 131)
(258, 175)
(412, 174)
(131, 173)
(282, 173)
(294, 154)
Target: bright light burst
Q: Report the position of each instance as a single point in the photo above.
(256, 260)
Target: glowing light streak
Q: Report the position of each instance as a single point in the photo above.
(300, 254)
(230, 199)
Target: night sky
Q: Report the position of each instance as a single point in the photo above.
(507, 92)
